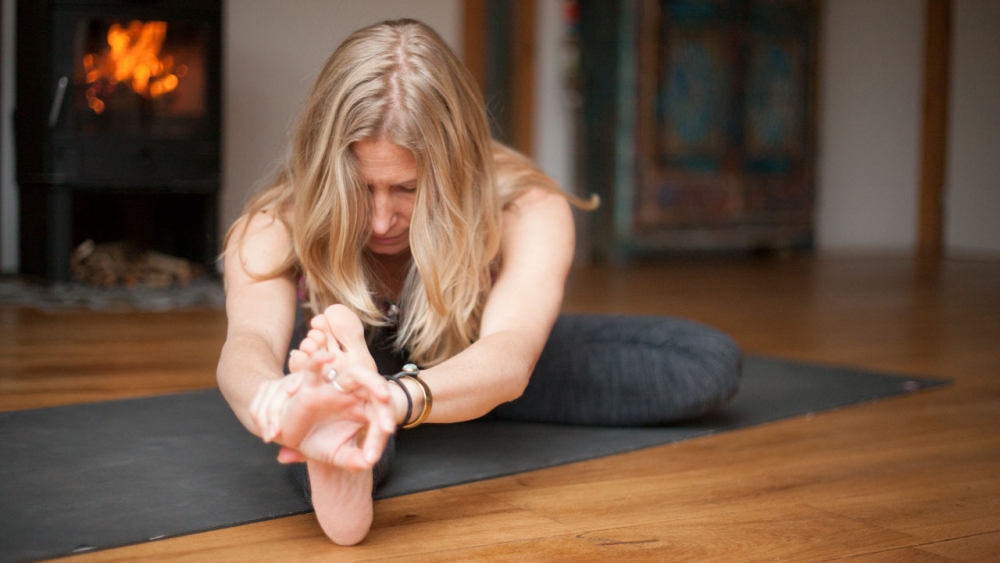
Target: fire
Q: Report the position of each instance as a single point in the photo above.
(132, 58)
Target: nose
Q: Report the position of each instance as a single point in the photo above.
(383, 213)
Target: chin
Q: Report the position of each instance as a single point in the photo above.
(388, 250)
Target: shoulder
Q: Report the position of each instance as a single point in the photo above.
(259, 243)
(538, 224)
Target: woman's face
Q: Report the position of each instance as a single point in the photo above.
(390, 171)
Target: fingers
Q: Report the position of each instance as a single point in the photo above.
(293, 382)
(365, 410)
(273, 407)
(290, 455)
(316, 366)
(364, 383)
(313, 356)
(266, 408)
(270, 401)
(369, 443)
(346, 425)
(382, 424)
(297, 360)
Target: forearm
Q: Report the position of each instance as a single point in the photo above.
(492, 371)
(246, 362)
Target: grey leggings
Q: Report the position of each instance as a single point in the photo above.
(610, 370)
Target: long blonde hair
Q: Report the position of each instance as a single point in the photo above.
(398, 81)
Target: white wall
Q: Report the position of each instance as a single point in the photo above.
(273, 51)
(972, 188)
(871, 57)
(553, 136)
(868, 173)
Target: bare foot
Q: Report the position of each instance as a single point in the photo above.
(342, 498)
(342, 333)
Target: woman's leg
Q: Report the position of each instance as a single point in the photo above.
(616, 370)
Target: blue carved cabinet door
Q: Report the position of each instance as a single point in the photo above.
(713, 124)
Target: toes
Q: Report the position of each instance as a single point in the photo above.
(309, 346)
(339, 326)
(319, 322)
(345, 325)
(321, 340)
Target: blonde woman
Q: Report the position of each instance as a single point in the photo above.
(411, 237)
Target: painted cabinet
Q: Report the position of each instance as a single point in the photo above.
(698, 123)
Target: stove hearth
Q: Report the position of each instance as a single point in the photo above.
(117, 128)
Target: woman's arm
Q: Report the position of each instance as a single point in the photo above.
(261, 312)
(303, 411)
(537, 252)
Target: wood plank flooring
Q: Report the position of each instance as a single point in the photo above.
(914, 478)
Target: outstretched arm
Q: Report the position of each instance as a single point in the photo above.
(293, 410)
(537, 252)
(260, 313)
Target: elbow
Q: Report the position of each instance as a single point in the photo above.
(520, 377)
(222, 382)
(519, 384)
(221, 378)
(520, 364)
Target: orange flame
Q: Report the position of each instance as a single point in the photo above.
(132, 58)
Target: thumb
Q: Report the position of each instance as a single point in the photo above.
(317, 366)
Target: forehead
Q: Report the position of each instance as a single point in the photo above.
(383, 160)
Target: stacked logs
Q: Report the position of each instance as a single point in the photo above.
(120, 263)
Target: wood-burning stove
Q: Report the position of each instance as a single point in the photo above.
(117, 127)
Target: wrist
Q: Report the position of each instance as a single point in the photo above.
(415, 395)
(414, 392)
(423, 401)
(405, 411)
(398, 402)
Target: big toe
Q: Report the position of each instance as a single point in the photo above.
(343, 325)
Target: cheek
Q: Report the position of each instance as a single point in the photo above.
(407, 208)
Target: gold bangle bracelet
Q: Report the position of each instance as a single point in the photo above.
(410, 371)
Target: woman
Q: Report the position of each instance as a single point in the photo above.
(412, 236)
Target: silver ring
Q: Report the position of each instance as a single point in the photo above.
(331, 376)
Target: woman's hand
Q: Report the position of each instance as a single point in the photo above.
(345, 424)
(315, 419)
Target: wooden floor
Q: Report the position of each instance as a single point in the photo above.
(914, 478)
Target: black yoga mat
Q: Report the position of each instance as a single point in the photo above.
(100, 475)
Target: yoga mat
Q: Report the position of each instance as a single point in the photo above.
(101, 475)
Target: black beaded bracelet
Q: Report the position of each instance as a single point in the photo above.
(406, 393)
(412, 372)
